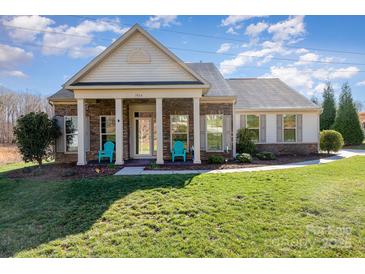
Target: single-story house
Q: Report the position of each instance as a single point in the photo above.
(142, 97)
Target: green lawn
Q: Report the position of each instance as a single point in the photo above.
(316, 211)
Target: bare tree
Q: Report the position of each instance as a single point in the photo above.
(14, 104)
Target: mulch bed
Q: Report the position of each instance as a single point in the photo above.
(49, 172)
(282, 159)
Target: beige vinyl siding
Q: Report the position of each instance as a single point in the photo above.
(116, 68)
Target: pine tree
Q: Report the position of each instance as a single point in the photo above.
(328, 114)
(347, 120)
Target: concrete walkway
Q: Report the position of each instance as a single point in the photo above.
(346, 153)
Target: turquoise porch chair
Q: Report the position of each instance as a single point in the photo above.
(107, 152)
(178, 150)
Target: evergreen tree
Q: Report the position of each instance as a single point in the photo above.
(328, 114)
(347, 120)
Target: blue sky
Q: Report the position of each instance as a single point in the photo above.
(39, 53)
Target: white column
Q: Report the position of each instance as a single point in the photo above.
(234, 130)
(119, 131)
(159, 131)
(197, 130)
(81, 157)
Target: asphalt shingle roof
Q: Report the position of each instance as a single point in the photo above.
(250, 93)
(62, 94)
(218, 85)
(267, 93)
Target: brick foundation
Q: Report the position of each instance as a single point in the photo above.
(282, 149)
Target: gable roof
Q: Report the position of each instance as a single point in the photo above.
(267, 93)
(218, 85)
(120, 41)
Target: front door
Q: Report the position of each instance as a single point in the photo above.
(143, 133)
(143, 136)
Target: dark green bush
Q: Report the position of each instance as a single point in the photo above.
(244, 158)
(215, 159)
(331, 140)
(266, 155)
(35, 133)
(244, 141)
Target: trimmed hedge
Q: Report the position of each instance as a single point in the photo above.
(331, 140)
(215, 159)
(244, 158)
(266, 155)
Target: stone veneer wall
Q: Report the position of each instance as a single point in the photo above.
(282, 149)
(219, 108)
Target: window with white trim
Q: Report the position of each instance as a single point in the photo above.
(179, 127)
(214, 123)
(71, 134)
(290, 127)
(107, 129)
(253, 126)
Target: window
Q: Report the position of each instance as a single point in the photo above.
(107, 130)
(253, 126)
(214, 132)
(179, 129)
(290, 127)
(71, 139)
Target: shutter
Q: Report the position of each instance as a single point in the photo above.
(279, 128)
(262, 128)
(299, 128)
(87, 133)
(202, 132)
(242, 120)
(227, 132)
(60, 142)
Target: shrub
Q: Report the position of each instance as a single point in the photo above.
(34, 133)
(215, 159)
(244, 158)
(266, 155)
(244, 141)
(331, 140)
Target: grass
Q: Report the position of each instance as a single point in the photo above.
(315, 211)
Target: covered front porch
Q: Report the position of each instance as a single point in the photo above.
(143, 126)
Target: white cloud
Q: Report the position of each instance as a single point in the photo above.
(362, 83)
(13, 73)
(307, 58)
(22, 25)
(85, 52)
(13, 56)
(231, 30)
(255, 29)
(224, 48)
(289, 29)
(262, 56)
(76, 40)
(293, 77)
(233, 20)
(325, 74)
(156, 22)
